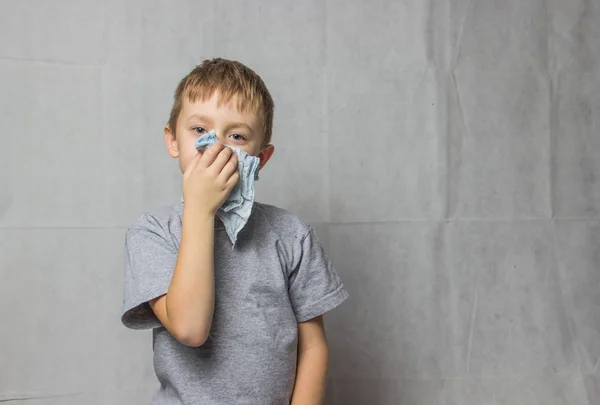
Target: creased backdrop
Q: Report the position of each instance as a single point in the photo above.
(447, 152)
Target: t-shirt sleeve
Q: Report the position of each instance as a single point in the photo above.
(149, 260)
(314, 286)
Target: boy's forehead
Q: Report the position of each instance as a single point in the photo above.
(216, 103)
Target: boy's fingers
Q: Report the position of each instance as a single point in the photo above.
(210, 154)
(230, 167)
(233, 180)
(221, 159)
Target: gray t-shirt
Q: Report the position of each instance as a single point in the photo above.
(277, 275)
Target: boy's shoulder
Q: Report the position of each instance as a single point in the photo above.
(281, 221)
(161, 218)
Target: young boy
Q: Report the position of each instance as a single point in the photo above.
(232, 324)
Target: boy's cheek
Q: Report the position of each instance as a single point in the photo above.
(187, 158)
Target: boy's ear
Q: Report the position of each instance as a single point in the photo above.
(171, 142)
(265, 155)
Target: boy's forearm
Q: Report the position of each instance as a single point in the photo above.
(191, 294)
(311, 376)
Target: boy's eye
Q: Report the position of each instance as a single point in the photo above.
(237, 137)
(200, 130)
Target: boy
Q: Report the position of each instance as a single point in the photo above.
(232, 324)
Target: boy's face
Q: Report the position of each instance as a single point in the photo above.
(241, 130)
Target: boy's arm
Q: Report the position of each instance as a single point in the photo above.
(313, 359)
(187, 308)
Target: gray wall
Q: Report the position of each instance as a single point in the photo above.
(446, 151)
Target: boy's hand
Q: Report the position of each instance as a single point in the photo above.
(210, 177)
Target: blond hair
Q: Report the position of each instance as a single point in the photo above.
(230, 79)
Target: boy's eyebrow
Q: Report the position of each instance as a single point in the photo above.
(199, 117)
(238, 125)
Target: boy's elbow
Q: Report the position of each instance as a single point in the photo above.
(192, 341)
(186, 332)
(189, 337)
